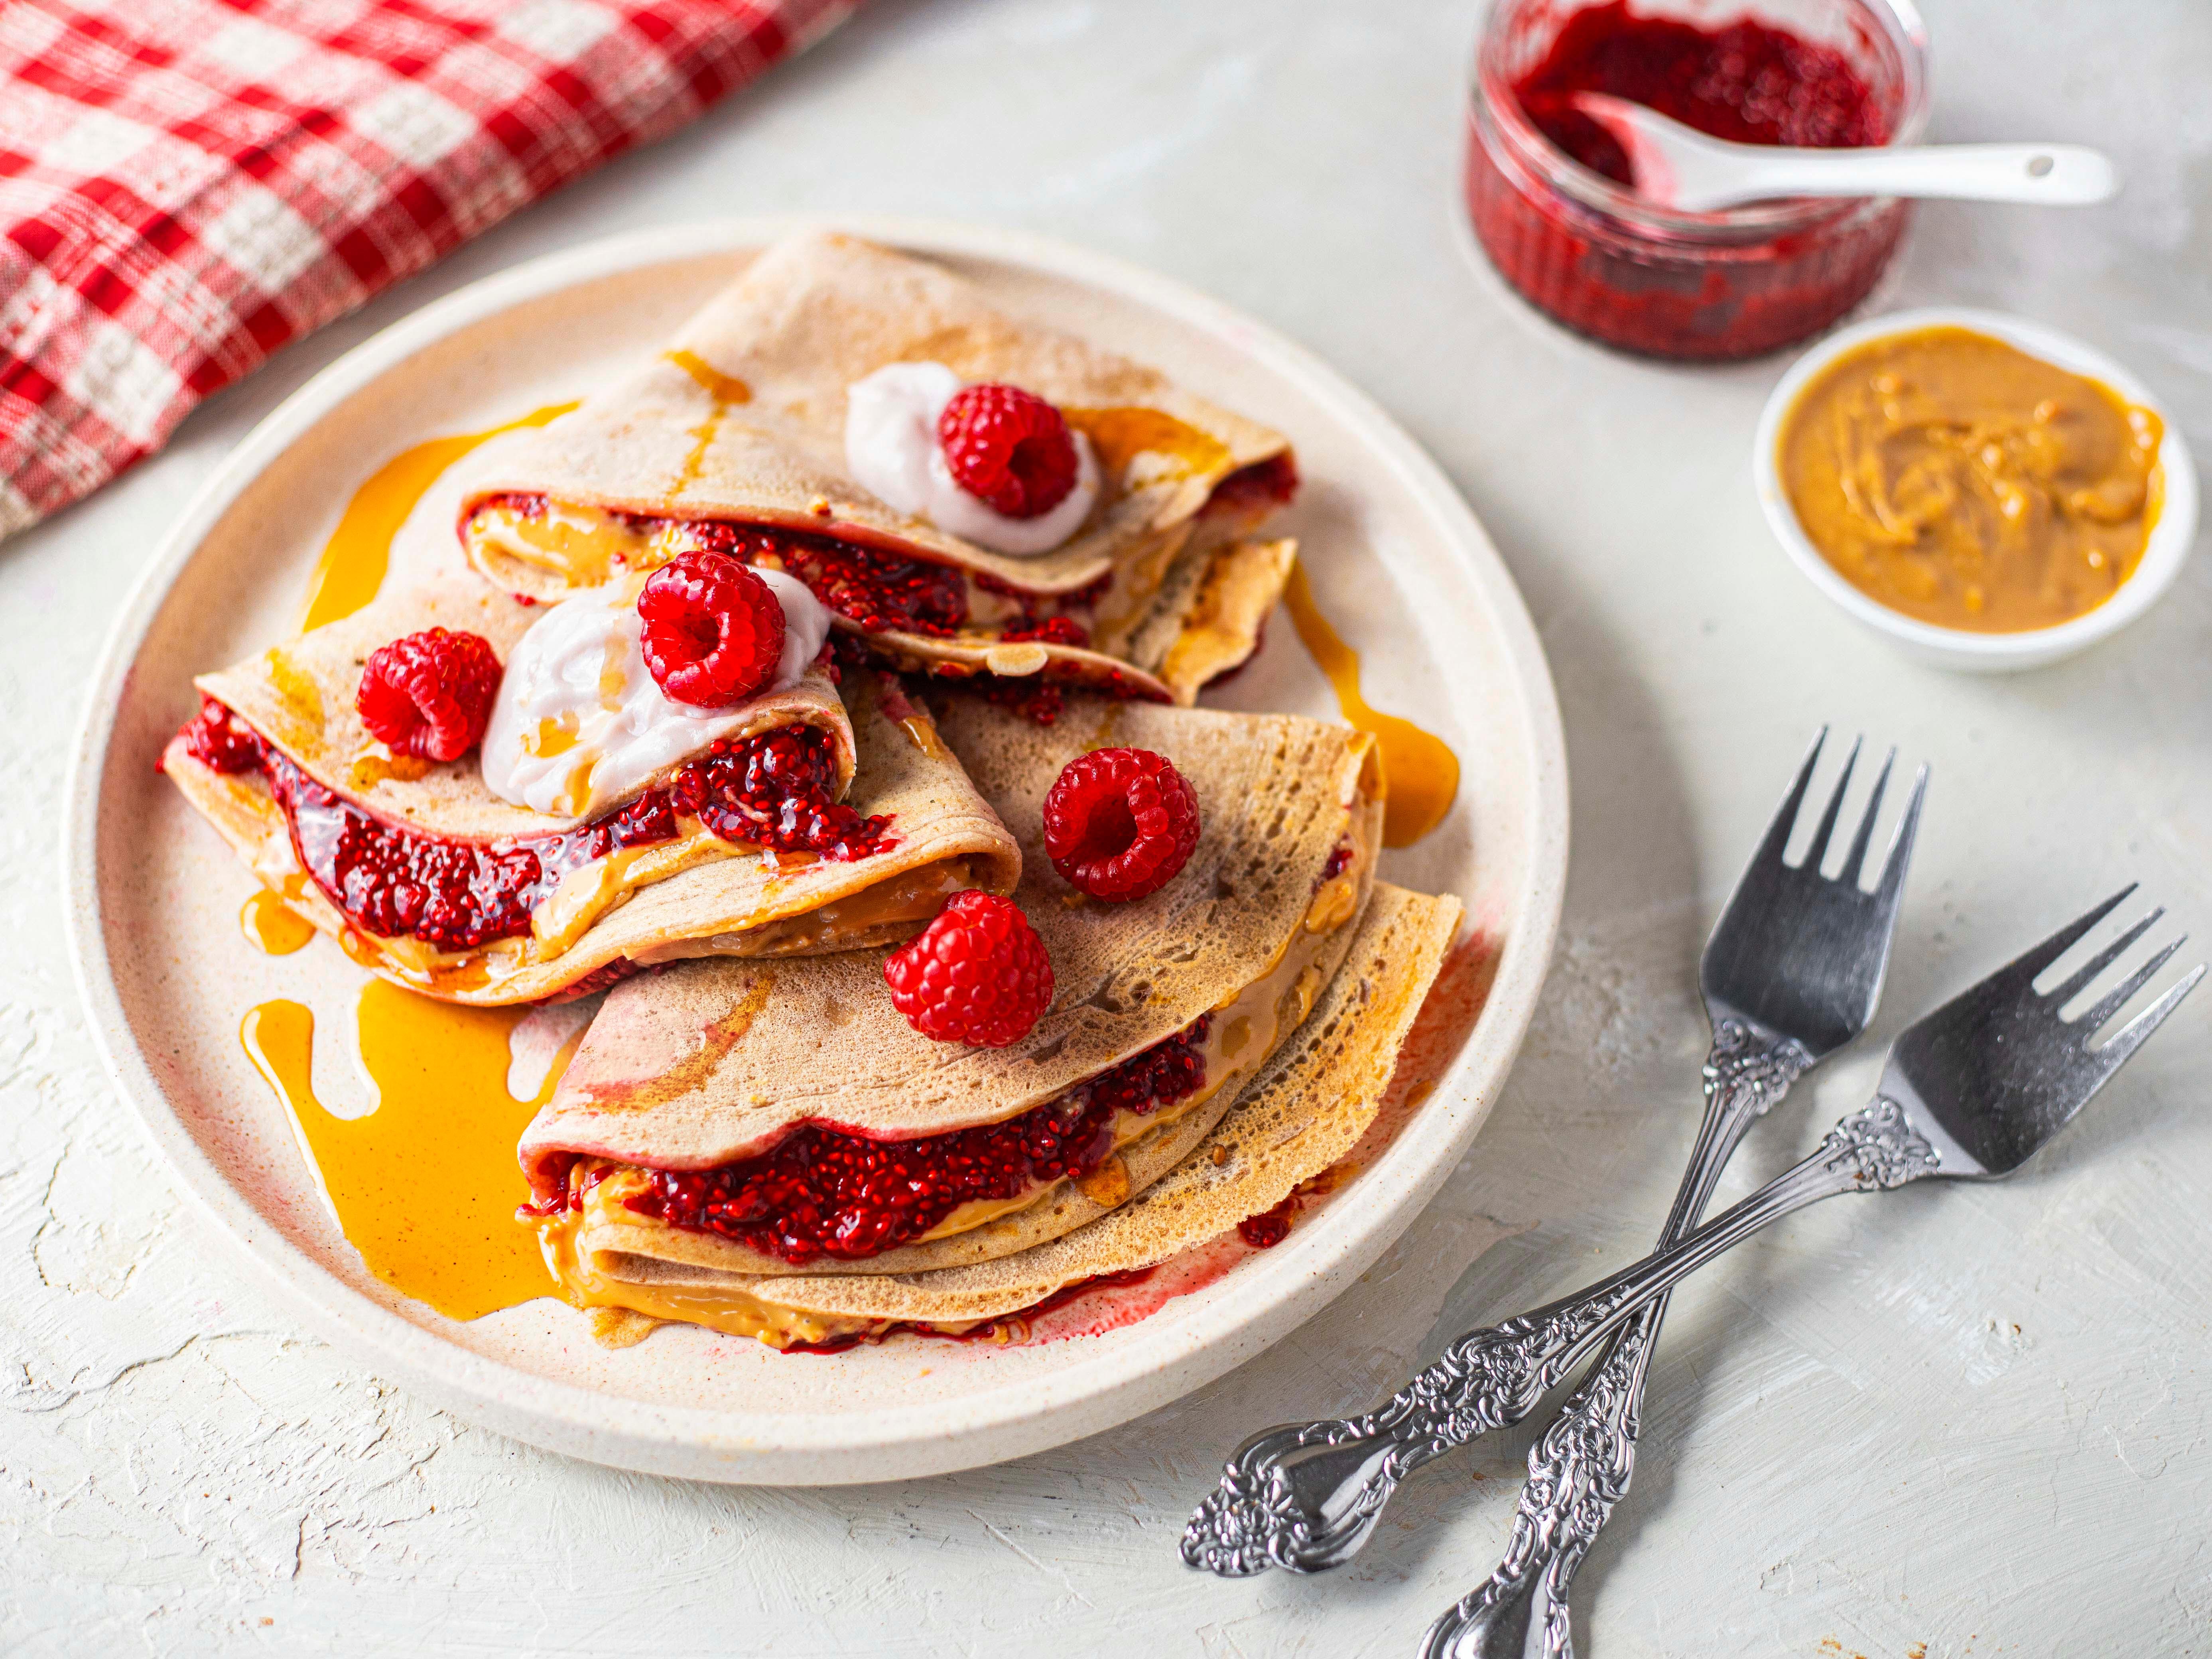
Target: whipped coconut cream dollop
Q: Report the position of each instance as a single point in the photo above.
(892, 449)
(579, 725)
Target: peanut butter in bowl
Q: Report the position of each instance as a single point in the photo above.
(1982, 490)
(1958, 479)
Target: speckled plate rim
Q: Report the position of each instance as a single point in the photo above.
(1277, 1291)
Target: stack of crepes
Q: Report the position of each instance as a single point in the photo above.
(768, 1149)
(750, 1136)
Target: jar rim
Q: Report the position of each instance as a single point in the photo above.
(1499, 115)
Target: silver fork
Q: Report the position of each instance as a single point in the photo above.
(1969, 1093)
(1792, 972)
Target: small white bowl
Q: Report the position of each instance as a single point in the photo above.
(1953, 647)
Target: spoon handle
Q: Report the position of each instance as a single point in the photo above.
(2054, 176)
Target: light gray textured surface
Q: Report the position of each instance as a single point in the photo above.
(1966, 1420)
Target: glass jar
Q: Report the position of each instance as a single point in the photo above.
(1685, 285)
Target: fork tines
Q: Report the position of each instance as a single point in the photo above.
(2093, 1018)
(1785, 821)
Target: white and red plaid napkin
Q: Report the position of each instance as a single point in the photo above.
(187, 185)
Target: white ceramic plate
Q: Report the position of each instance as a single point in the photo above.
(1398, 561)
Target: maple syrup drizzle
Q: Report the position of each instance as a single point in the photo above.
(273, 925)
(425, 1186)
(1419, 771)
(1120, 435)
(728, 392)
(354, 559)
(724, 389)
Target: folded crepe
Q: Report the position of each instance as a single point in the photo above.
(782, 1118)
(1287, 1135)
(741, 423)
(524, 906)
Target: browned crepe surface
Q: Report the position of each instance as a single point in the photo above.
(809, 316)
(1303, 1114)
(713, 1062)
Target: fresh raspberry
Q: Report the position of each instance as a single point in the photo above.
(978, 974)
(1119, 822)
(1009, 448)
(430, 694)
(713, 630)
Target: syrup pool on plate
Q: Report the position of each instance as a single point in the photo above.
(354, 559)
(425, 1185)
(273, 925)
(1419, 769)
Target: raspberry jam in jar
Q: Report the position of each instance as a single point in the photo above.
(1549, 193)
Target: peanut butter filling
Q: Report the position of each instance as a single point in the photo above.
(582, 545)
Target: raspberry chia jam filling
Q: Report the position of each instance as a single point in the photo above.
(877, 592)
(870, 589)
(825, 1193)
(828, 1193)
(773, 790)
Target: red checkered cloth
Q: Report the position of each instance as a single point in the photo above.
(187, 185)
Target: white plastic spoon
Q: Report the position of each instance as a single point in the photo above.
(1680, 168)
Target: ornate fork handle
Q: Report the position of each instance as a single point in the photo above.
(1305, 1496)
(1580, 1469)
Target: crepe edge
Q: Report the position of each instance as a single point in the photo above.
(253, 825)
